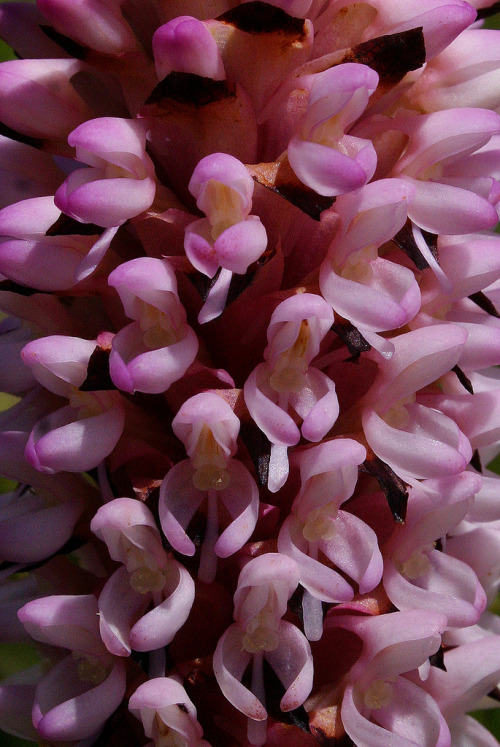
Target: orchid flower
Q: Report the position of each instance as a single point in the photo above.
(209, 428)
(229, 237)
(147, 575)
(264, 586)
(158, 347)
(287, 381)
(75, 697)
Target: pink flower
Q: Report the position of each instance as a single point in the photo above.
(209, 428)
(260, 600)
(159, 346)
(92, 418)
(229, 237)
(322, 153)
(379, 704)
(287, 381)
(74, 699)
(118, 184)
(317, 527)
(167, 713)
(147, 575)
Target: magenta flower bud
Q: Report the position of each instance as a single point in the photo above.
(98, 24)
(167, 713)
(321, 152)
(37, 98)
(119, 183)
(186, 45)
(159, 346)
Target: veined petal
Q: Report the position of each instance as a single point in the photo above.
(292, 661)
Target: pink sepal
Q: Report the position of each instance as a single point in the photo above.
(178, 503)
(69, 621)
(119, 607)
(293, 663)
(59, 442)
(59, 362)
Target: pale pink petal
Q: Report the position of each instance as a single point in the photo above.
(354, 549)
(119, 608)
(158, 627)
(59, 442)
(293, 663)
(241, 500)
(230, 661)
(179, 501)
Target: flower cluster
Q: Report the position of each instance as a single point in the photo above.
(250, 289)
